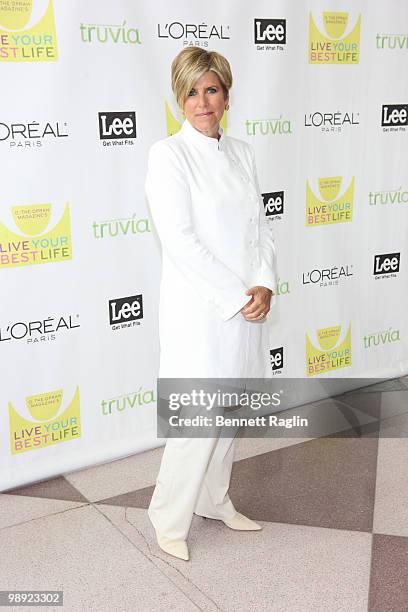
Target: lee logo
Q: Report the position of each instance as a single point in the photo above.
(276, 356)
(122, 311)
(386, 263)
(273, 203)
(270, 31)
(117, 125)
(395, 115)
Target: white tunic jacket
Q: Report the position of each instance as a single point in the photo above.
(206, 206)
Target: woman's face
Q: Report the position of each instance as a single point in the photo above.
(205, 104)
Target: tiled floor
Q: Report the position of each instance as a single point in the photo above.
(334, 512)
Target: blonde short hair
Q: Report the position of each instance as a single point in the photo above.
(190, 64)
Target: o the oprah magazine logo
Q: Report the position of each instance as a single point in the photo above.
(27, 31)
(33, 245)
(329, 351)
(50, 424)
(330, 206)
(333, 47)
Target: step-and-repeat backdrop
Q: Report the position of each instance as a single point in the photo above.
(320, 90)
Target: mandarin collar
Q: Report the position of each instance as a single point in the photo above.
(206, 143)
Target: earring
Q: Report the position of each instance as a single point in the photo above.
(227, 107)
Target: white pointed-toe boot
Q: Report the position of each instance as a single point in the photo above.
(242, 523)
(176, 548)
(239, 522)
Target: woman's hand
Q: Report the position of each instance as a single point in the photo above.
(259, 305)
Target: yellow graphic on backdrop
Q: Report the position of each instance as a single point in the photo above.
(34, 247)
(28, 435)
(174, 125)
(329, 207)
(333, 49)
(329, 355)
(33, 44)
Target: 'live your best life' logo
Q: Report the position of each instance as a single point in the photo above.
(332, 204)
(327, 349)
(44, 421)
(334, 46)
(34, 245)
(27, 31)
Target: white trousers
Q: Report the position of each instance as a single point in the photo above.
(194, 476)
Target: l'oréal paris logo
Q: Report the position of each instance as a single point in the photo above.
(38, 331)
(331, 122)
(31, 135)
(197, 33)
(327, 277)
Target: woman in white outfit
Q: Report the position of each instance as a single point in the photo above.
(217, 282)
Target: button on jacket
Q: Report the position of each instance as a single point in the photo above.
(216, 242)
